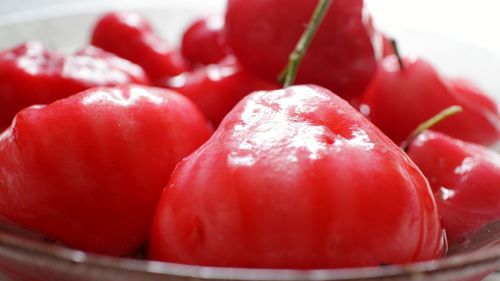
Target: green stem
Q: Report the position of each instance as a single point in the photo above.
(287, 76)
(447, 112)
(396, 52)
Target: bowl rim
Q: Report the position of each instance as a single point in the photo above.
(61, 258)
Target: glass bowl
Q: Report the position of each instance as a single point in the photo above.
(28, 257)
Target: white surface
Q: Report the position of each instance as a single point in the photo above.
(474, 21)
(494, 277)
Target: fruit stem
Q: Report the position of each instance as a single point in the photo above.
(445, 113)
(396, 52)
(287, 76)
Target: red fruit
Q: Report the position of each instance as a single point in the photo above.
(464, 178)
(97, 67)
(88, 170)
(471, 92)
(341, 57)
(203, 42)
(32, 74)
(387, 47)
(398, 100)
(216, 89)
(296, 178)
(132, 37)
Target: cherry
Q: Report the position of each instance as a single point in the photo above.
(398, 99)
(464, 178)
(296, 178)
(216, 89)
(203, 42)
(341, 56)
(132, 37)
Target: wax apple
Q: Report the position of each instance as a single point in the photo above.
(204, 42)
(32, 74)
(296, 178)
(216, 89)
(341, 57)
(401, 97)
(464, 178)
(88, 170)
(132, 37)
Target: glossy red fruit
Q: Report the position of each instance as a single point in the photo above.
(341, 57)
(88, 170)
(464, 178)
(296, 178)
(32, 74)
(397, 101)
(132, 37)
(216, 89)
(203, 42)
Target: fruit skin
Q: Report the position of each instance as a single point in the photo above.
(132, 37)
(397, 101)
(296, 178)
(464, 178)
(341, 56)
(203, 41)
(216, 89)
(387, 48)
(32, 74)
(88, 170)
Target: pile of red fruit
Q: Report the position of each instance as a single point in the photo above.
(114, 146)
